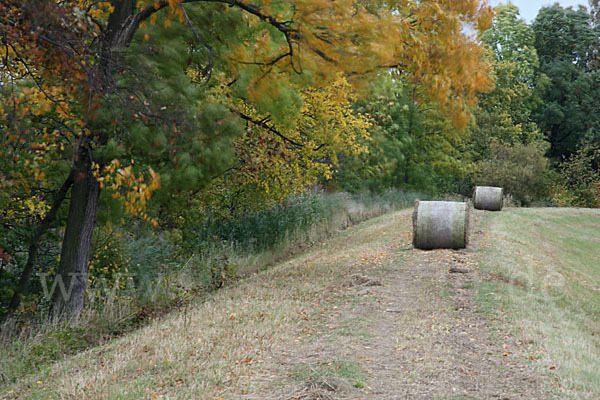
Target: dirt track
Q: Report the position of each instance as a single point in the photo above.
(411, 326)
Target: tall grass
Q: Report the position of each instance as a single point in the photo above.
(224, 249)
(297, 219)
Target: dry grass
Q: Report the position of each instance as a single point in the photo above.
(30, 342)
(248, 338)
(553, 256)
(215, 349)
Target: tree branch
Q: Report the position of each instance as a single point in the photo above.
(263, 124)
(34, 244)
(124, 38)
(209, 67)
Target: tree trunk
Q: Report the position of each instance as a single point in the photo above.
(77, 242)
(406, 168)
(85, 194)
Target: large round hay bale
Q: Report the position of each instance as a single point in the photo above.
(488, 198)
(440, 225)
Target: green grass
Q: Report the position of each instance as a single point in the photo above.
(349, 371)
(543, 269)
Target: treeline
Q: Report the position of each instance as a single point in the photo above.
(144, 142)
(535, 131)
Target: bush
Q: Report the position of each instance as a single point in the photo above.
(579, 183)
(521, 169)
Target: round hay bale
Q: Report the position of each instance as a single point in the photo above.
(440, 225)
(488, 198)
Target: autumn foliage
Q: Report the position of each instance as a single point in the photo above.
(117, 104)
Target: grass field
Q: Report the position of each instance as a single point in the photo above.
(300, 321)
(544, 280)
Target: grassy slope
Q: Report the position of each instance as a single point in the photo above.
(271, 236)
(219, 348)
(546, 283)
(542, 271)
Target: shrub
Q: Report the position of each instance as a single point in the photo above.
(289, 221)
(579, 183)
(521, 169)
(109, 264)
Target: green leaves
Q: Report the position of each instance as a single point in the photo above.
(567, 42)
(512, 43)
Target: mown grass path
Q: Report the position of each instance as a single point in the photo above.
(542, 269)
(403, 327)
(362, 316)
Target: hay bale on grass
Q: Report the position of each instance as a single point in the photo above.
(488, 198)
(440, 225)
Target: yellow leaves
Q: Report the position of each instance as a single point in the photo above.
(101, 10)
(27, 207)
(133, 190)
(39, 102)
(328, 114)
(274, 166)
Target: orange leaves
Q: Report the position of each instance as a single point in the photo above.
(484, 19)
(174, 11)
(438, 55)
(101, 10)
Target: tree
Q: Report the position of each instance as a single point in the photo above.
(595, 10)
(414, 144)
(504, 113)
(521, 169)
(114, 96)
(270, 167)
(446, 66)
(579, 182)
(568, 46)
